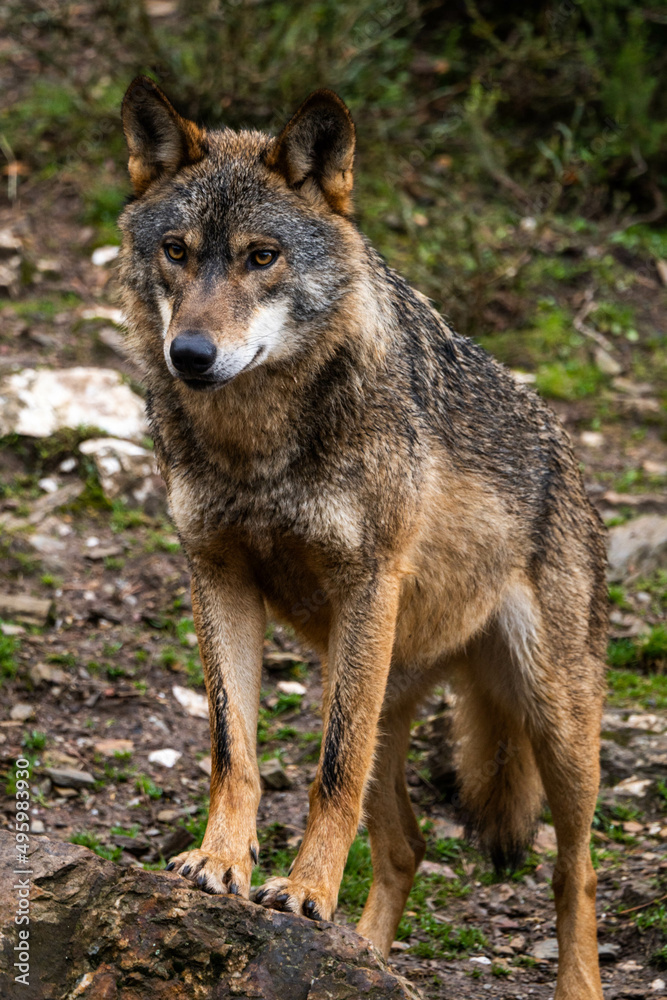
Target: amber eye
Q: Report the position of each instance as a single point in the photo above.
(175, 251)
(262, 258)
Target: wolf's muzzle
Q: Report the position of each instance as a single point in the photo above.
(192, 353)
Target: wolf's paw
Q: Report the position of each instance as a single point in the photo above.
(294, 897)
(214, 873)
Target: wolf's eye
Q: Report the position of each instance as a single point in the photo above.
(262, 258)
(175, 251)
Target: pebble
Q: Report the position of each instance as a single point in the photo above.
(637, 787)
(104, 255)
(195, 704)
(291, 687)
(166, 757)
(22, 711)
(273, 775)
(658, 984)
(37, 826)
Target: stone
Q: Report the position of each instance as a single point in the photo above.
(166, 938)
(37, 826)
(616, 762)
(637, 787)
(104, 255)
(607, 364)
(545, 839)
(38, 403)
(436, 868)
(195, 704)
(21, 712)
(273, 775)
(546, 951)
(647, 722)
(108, 748)
(205, 764)
(66, 777)
(26, 609)
(637, 547)
(47, 673)
(291, 687)
(166, 757)
(608, 952)
(123, 467)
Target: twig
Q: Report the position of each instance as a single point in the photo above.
(642, 906)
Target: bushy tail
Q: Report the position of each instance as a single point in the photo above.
(500, 793)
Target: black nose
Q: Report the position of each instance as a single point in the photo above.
(192, 353)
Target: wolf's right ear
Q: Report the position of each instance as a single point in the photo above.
(160, 141)
(317, 144)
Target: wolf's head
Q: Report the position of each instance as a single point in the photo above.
(237, 244)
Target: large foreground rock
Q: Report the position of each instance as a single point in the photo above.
(101, 932)
(637, 547)
(40, 402)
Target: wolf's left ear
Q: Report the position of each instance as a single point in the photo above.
(317, 145)
(160, 141)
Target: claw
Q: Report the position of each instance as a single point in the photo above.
(254, 854)
(310, 910)
(234, 889)
(185, 870)
(260, 894)
(281, 900)
(170, 867)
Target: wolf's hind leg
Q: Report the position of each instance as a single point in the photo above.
(397, 844)
(567, 749)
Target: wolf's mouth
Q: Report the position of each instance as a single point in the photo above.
(203, 384)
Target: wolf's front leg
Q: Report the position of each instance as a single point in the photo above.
(230, 620)
(360, 648)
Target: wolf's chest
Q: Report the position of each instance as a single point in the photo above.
(268, 516)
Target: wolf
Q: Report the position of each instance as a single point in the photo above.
(329, 443)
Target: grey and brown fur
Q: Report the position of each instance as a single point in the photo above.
(352, 465)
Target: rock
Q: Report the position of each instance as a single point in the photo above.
(545, 839)
(291, 687)
(10, 245)
(104, 255)
(195, 704)
(637, 787)
(205, 765)
(9, 280)
(66, 777)
(94, 924)
(606, 363)
(41, 673)
(546, 951)
(166, 758)
(23, 608)
(37, 826)
(658, 984)
(168, 815)
(278, 658)
(592, 439)
(6, 628)
(608, 952)
(617, 762)
(110, 747)
(436, 868)
(273, 775)
(647, 722)
(445, 829)
(133, 845)
(637, 892)
(637, 547)
(37, 403)
(123, 467)
(173, 843)
(21, 712)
